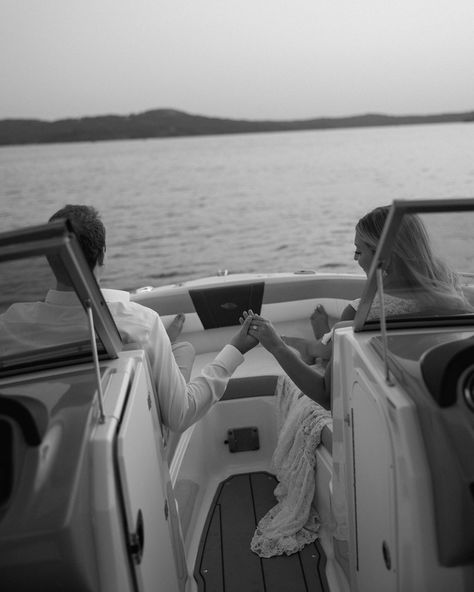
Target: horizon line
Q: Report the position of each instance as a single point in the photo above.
(194, 114)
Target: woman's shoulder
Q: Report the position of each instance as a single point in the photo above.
(394, 305)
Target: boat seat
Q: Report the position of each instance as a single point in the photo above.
(288, 318)
(258, 374)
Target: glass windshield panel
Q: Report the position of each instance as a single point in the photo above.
(42, 326)
(426, 263)
(24, 279)
(37, 323)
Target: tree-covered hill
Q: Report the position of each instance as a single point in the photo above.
(163, 123)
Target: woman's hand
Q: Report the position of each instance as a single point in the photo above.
(263, 330)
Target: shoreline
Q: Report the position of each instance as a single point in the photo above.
(168, 123)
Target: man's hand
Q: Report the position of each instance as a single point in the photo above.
(242, 340)
(263, 330)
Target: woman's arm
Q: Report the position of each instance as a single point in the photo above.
(306, 378)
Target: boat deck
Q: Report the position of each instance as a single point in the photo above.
(225, 562)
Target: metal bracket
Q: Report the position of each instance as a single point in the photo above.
(136, 540)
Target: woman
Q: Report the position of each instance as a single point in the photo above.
(415, 280)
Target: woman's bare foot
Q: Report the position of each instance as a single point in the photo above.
(175, 327)
(319, 321)
(302, 346)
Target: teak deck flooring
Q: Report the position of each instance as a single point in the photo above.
(225, 562)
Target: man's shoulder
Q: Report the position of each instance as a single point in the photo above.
(121, 299)
(132, 317)
(21, 309)
(132, 306)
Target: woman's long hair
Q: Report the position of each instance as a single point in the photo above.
(414, 270)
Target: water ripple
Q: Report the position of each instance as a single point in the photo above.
(186, 207)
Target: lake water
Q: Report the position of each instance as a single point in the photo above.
(183, 208)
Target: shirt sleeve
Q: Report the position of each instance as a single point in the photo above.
(326, 338)
(181, 403)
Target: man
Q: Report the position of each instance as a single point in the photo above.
(181, 403)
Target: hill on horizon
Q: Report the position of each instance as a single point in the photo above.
(165, 123)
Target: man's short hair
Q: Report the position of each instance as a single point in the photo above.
(90, 233)
(89, 229)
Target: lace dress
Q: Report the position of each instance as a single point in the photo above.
(393, 305)
(293, 522)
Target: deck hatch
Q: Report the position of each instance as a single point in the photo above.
(242, 439)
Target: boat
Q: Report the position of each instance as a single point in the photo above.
(95, 495)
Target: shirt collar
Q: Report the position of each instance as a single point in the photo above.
(62, 298)
(70, 298)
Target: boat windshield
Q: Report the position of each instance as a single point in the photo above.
(422, 273)
(41, 327)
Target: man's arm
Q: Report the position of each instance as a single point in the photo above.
(183, 404)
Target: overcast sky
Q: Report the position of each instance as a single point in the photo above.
(251, 59)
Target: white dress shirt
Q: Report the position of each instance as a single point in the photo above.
(39, 324)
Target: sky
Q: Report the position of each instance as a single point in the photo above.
(239, 59)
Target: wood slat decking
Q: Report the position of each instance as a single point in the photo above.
(225, 562)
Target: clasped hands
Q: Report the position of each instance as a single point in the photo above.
(261, 329)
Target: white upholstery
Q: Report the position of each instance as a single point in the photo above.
(289, 318)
